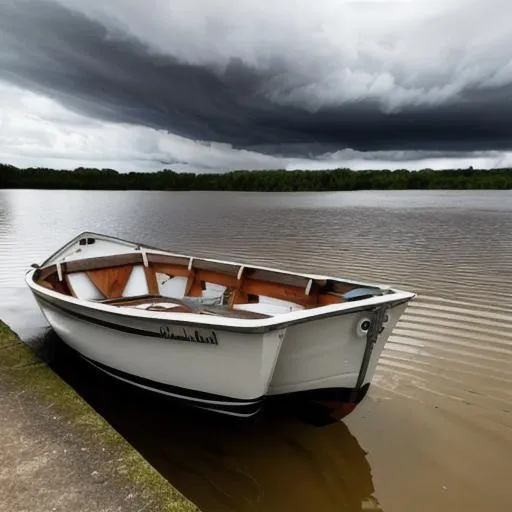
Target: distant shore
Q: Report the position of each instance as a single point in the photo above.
(276, 180)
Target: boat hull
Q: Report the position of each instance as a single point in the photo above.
(223, 371)
(330, 363)
(328, 353)
(219, 370)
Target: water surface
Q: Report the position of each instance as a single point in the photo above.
(434, 433)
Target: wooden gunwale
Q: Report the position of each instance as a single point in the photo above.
(110, 274)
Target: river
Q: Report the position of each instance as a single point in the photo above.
(434, 432)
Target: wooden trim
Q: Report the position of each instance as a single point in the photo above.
(230, 312)
(194, 288)
(238, 295)
(167, 260)
(277, 278)
(176, 309)
(58, 286)
(227, 269)
(214, 272)
(151, 282)
(253, 282)
(170, 270)
(217, 278)
(134, 299)
(87, 264)
(45, 284)
(45, 273)
(278, 291)
(325, 299)
(111, 281)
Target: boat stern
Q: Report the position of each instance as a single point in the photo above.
(329, 363)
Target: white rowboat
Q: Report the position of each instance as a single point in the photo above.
(221, 335)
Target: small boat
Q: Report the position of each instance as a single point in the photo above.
(223, 336)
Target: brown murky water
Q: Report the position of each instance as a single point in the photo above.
(435, 431)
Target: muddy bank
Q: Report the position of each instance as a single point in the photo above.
(59, 454)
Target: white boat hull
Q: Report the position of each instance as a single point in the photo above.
(214, 369)
(228, 365)
(328, 353)
(225, 371)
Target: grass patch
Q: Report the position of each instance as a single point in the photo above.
(25, 370)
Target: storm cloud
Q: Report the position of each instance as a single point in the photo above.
(284, 80)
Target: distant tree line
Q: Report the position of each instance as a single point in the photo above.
(265, 181)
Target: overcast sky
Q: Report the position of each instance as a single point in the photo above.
(208, 85)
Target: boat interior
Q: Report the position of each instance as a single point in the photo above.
(156, 281)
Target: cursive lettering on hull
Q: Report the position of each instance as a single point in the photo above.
(184, 335)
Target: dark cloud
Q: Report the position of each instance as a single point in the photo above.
(112, 76)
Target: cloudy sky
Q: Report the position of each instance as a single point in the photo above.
(208, 85)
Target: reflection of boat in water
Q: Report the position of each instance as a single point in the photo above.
(277, 464)
(272, 463)
(220, 335)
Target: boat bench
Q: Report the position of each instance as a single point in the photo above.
(182, 306)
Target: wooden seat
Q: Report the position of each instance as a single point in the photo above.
(230, 312)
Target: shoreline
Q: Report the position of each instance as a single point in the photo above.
(59, 454)
(258, 180)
